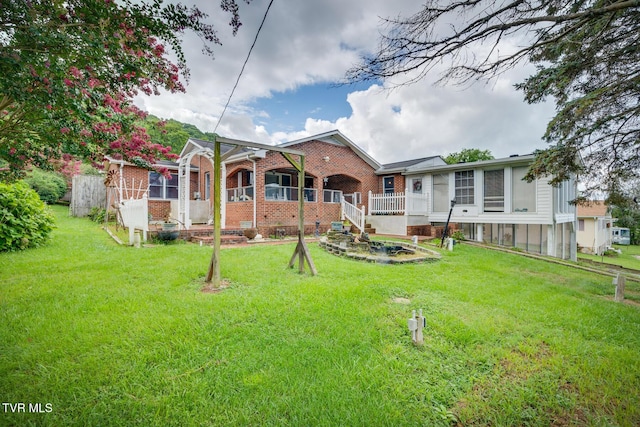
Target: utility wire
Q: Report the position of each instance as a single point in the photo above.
(243, 65)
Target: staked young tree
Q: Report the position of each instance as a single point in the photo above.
(69, 70)
(587, 59)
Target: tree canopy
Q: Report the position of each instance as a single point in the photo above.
(172, 133)
(69, 70)
(467, 155)
(587, 59)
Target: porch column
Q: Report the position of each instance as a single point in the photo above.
(406, 202)
(551, 239)
(223, 195)
(479, 232)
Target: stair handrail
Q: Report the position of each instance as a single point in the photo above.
(353, 213)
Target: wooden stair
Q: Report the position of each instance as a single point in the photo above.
(368, 229)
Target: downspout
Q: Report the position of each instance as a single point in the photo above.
(255, 195)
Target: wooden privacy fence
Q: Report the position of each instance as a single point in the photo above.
(87, 192)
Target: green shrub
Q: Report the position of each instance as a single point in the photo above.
(25, 221)
(50, 186)
(458, 235)
(97, 214)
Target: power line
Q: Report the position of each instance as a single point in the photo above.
(243, 65)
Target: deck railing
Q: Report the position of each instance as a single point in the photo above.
(240, 194)
(386, 204)
(405, 203)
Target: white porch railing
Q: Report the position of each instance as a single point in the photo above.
(386, 204)
(416, 204)
(398, 203)
(354, 214)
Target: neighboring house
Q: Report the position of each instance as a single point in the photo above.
(260, 189)
(492, 204)
(594, 228)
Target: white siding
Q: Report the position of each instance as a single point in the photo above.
(542, 215)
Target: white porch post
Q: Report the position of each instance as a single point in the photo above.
(551, 239)
(406, 202)
(223, 194)
(479, 232)
(369, 201)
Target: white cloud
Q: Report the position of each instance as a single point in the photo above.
(305, 42)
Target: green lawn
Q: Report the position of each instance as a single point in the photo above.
(107, 335)
(629, 258)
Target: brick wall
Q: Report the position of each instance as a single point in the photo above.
(398, 183)
(340, 165)
(135, 183)
(343, 169)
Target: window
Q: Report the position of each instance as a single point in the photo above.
(282, 179)
(389, 184)
(494, 191)
(161, 187)
(581, 225)
(207, 185)
(464, 186)
(523, 193)
(441, 192)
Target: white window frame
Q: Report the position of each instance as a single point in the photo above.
(164, 187)
(493, 202)
(436, 199)
(463, 190)
(207, 185)
(384, 184)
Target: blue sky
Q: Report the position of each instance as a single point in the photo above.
(288, 111)
(286, 91)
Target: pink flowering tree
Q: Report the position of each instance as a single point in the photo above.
(69, 71)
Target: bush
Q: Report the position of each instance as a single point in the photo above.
(97, 214)
(458, 235)
(50, 186)
(25, 221)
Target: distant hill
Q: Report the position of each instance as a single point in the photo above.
(174, 133)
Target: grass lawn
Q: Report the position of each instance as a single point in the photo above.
(629, 258)
(106, 335)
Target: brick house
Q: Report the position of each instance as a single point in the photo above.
(413, 197)
(259, 188)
